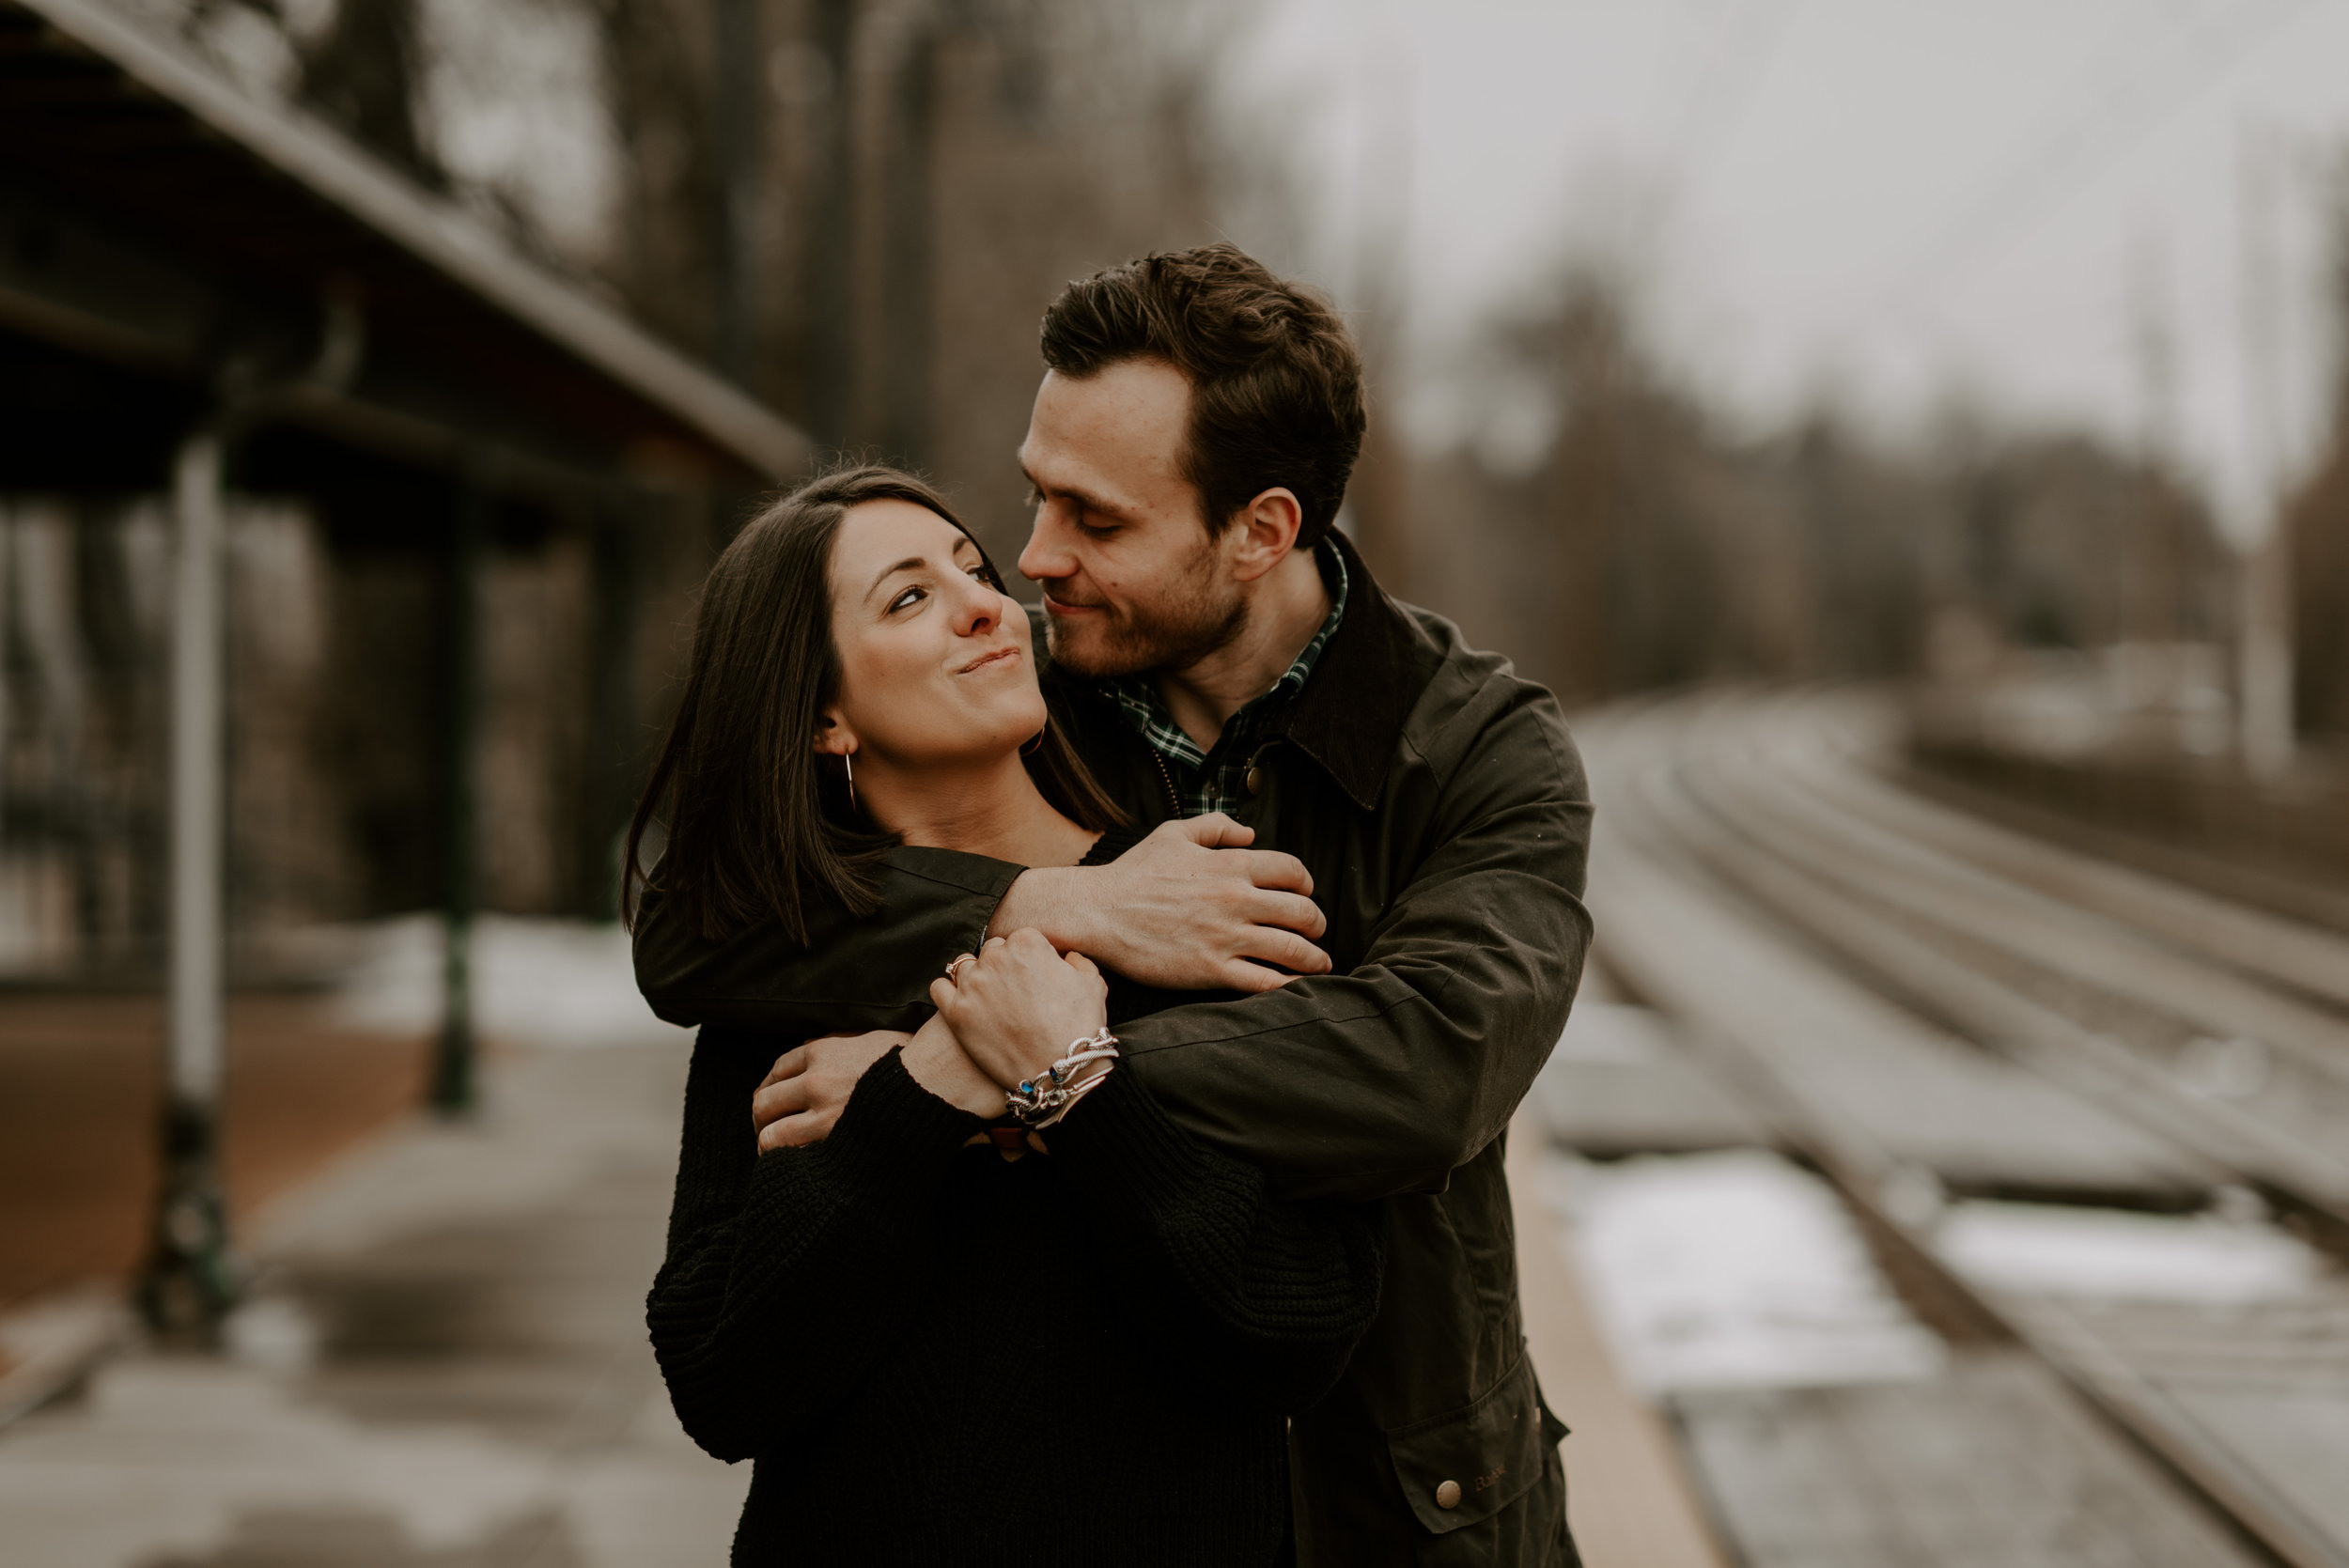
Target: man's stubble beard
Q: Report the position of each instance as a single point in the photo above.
(1166, 636)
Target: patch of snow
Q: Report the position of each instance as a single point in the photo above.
(2112, 1254)
(1736, 1269)
(551, 983)
(271, 1333)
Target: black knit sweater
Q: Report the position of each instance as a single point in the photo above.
(938, 1356)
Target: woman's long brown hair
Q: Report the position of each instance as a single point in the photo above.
(760, 825)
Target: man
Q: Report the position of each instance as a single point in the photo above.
(1220, 650)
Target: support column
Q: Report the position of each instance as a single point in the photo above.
(615, 736)
(453, 1089)
(2266, 712)
(190, 1282)
(827, 237)
(736, 102)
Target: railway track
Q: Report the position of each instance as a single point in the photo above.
(2035, 1024)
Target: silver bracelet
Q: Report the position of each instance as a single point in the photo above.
(1041, 1100)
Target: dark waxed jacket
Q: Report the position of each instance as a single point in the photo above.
(1440, 806)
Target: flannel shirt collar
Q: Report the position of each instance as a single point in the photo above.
(1137, 696)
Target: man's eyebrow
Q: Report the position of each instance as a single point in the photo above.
(1086, 499)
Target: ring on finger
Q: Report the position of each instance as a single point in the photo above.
(959, 960)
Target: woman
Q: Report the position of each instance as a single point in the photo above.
(948, 1331)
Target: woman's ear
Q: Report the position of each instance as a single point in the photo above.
(832, 736)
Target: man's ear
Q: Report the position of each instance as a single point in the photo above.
(1264, 533)
(832, 736)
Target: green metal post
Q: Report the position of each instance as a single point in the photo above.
(453, 1086)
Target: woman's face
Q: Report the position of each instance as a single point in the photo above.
(935, 662)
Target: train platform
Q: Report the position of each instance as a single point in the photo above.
(442, 1362)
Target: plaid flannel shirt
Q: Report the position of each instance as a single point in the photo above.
(1217, 779)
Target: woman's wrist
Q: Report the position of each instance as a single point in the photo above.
(934, 1059)
(1043, 1098)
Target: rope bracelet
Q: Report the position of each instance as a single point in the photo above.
(1041, 1100)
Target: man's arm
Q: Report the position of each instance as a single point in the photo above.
(851, 976)
(1387, 1079)
(1213, 913)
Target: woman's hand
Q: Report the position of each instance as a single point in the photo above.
(938, 1064)
(1019, 1005)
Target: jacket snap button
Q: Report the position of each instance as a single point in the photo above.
(1255, 780)
(1448, 1494)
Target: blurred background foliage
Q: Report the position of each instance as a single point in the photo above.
(857, 209)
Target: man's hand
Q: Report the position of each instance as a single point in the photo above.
(1189, 907)
(801, 1097)
(1019, 1005)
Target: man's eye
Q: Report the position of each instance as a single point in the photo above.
(1036, 498)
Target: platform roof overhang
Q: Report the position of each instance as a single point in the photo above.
(165, 236)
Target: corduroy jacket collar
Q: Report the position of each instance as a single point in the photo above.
(1351, 712)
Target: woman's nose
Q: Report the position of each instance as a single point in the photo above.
(978, 609)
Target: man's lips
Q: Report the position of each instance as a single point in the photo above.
(1063, 607)
(985, 659)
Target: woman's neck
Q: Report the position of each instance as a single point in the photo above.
(991, 809)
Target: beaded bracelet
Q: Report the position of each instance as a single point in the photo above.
(1041, 1101)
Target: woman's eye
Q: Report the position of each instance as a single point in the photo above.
(909, 597)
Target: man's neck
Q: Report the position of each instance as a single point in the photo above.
(1289, 604)
(993, 809)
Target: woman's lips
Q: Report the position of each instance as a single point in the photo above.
(985, 659)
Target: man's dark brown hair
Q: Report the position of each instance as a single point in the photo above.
(1276, 386)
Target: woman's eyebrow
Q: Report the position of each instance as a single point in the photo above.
(912, 563)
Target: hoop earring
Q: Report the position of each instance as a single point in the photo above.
(847, 760)
(1031, 748)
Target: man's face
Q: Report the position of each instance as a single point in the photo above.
(1132, 580)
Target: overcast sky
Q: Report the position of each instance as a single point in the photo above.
(1880, 201)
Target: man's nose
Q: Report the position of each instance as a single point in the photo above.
(1046, 556)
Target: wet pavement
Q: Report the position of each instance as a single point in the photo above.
(443, 1363)
(81, 1085)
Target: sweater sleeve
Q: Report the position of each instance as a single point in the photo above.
(771, 1253)
(1267, 1295)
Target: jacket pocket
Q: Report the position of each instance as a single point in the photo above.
(1466, 1466)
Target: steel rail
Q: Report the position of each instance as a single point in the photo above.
(2301, 1120)
(1852, 743)
(2163, 958)
(1672, 790)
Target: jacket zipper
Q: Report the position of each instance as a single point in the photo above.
(1174, 802)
